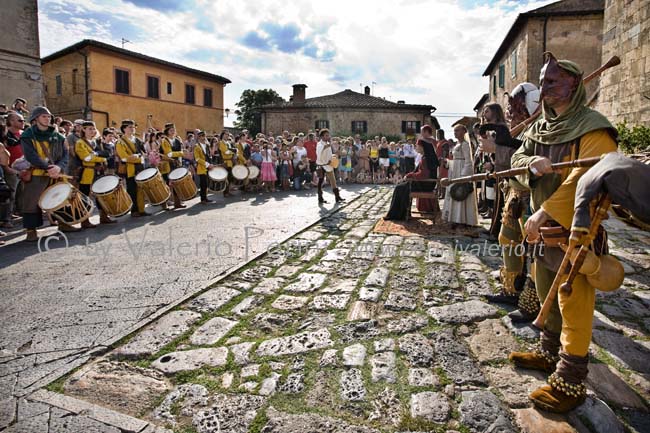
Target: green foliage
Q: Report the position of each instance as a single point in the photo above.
(634, 139)
(248, 102)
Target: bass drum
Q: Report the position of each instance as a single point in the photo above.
(65, 203)
(218, 179)
(111, 196)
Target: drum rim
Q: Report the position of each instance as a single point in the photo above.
(52, 187)
(155, 170)
(256, 169)
(221, 170)
(92, 188)
(186, 171)
(243, 167)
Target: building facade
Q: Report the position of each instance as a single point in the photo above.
(570, 29)
(20, 58)
(345, 113)
(98, 81)
(624, 93)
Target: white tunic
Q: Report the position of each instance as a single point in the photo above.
(466, 211)
(324, 155)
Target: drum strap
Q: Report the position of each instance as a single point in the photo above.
(44, 149)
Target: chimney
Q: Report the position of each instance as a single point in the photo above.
(400, 102)
(299, 93)
(366, 90)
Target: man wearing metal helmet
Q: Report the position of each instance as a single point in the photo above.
(566, 130)
(517, 288)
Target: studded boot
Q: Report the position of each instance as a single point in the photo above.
(566, 389)
(543, 358)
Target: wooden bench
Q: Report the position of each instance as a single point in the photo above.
(433, 195)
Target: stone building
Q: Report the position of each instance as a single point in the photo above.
(20, 57)
(105, 83)
(345, 113)
(570, 29)
(624, 92)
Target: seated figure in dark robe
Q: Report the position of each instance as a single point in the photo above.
(427, 169)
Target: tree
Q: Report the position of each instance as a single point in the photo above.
(249, 101)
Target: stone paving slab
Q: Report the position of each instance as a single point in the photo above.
(395, 343)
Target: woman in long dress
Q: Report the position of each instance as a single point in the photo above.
(466, 211)
(426, 169)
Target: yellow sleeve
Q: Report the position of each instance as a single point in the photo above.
(198, 155)
(86, 155)
(125, 154)
(240, 154)
(167, 149)
(559, 206)
(225, 152)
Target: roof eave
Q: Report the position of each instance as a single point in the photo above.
(101, 45)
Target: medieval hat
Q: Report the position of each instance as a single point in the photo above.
(168, 126)
(531, 96)
(38, 111)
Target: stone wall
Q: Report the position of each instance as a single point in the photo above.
(574, 38)
(340, 120)
(20, 65)
(625, 89)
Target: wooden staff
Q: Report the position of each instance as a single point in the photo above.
(613, 61)
(586, 162)
(576, 239)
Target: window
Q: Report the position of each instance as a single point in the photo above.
(189, 94)
(513, 63)
(122, 84)
(359, 127)
(502, 76)
(76, 84)
(153, 87)
(169, 88)
(207, 97)
(410, 127)
(322, 124)
(59, 85)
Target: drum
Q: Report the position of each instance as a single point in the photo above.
(112, 196)
(240, 172)
(253, 172)
(153, 185)
(183, 183)
(65, 203)
(218, 179)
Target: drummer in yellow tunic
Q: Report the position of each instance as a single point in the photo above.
(45, 150)
(227, 157)
(127, 151)
(85, 151)
(202, 165)
(170, 151)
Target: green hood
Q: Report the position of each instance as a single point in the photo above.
(575, 122)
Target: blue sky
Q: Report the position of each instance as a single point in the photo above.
(420, 51)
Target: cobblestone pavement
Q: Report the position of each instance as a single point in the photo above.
(341, 329)
(61, 306)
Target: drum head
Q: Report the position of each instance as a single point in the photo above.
(55, 196)
(218, 174)
(105, 184)
(146, 174)
(178, 173)
(253, 172)
(240, 172)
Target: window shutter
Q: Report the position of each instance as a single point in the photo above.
(403, 127)
(417, 126)
(316, 125)
(365, 127)
(502, 76)
(352, 127)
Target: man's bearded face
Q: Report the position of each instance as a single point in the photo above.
(558, 85)
(516, 111)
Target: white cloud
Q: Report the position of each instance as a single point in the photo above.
(425, 52)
